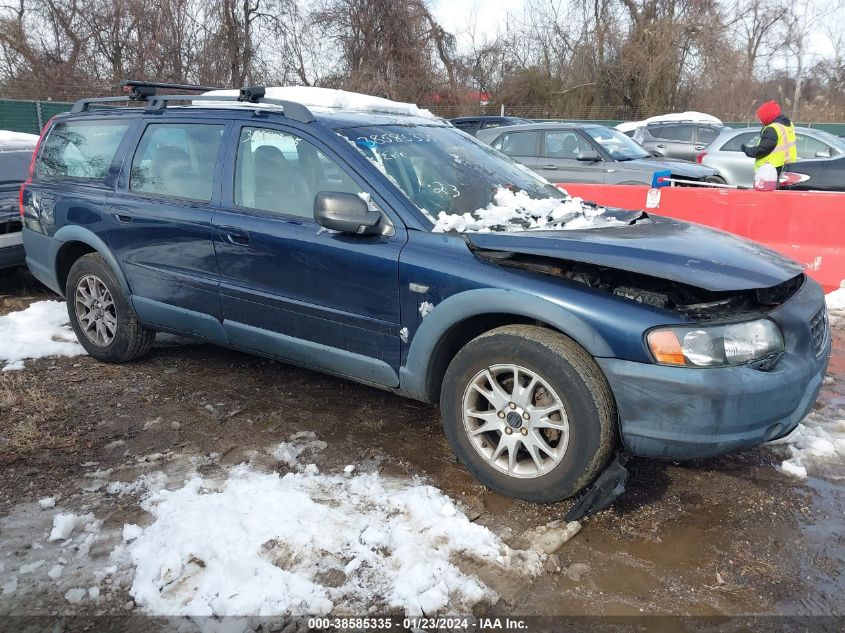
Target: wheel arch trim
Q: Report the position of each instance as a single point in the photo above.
(75, 233)
(415, 375)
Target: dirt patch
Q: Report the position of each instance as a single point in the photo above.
(722, 536)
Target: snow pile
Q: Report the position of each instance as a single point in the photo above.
(817, 444)
(698, 117)
(17, 140)
(836, 299)
(327, 99)
(288, 452)
(309, 544)
(517, 211)
(40, 330)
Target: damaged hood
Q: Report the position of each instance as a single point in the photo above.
(659, 247)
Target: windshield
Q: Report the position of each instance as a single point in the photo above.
(442, 170)
(618, 144)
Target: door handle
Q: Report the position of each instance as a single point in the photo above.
(662, 145)
(549, 167)
(698, 148)
(234, 236)
(121, 214)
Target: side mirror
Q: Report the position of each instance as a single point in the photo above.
(823, 153)
(345, 212)
(589, 157)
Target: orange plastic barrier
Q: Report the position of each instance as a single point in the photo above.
(809, 227)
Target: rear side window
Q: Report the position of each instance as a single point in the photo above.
(517, 143)
(672, 132)
(746, 138)
(177, 159)
(707, 135)
(81, 149)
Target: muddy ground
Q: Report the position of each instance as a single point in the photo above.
(721, 536)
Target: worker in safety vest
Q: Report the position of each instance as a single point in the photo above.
(777, 139)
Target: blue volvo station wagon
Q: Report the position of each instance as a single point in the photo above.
(340, 233)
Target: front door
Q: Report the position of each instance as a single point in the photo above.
(559, 161)
(289, 287)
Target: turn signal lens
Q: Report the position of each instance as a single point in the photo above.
(666, 347)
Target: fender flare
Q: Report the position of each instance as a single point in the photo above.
(414, 375)
(76, 233)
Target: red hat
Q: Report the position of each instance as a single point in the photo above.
(768, 112)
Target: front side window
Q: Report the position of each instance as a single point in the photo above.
(177, 160)
(566, 144)
(517, 143)
(615, 143)
(809, 147)
(81, 149)
(282, 173)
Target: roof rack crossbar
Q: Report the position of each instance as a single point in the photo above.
(82, 104)
(292, 109)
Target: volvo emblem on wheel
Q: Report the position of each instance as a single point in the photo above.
(514, 420)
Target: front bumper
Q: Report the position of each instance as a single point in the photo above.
(687, 413)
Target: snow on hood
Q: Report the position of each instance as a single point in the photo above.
(517, 211)
(328, 99)
(698, 117)
(17, 140)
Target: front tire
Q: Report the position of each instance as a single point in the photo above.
(529, 413)
(100, 314)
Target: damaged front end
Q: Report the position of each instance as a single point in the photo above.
(692, 302)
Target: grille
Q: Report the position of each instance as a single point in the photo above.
(819, 329)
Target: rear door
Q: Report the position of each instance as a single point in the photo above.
(77, 167)
(675, 140)
(159, 221)
(559, 158)
(290, 287)
(704, 135)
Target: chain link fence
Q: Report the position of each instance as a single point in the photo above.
(28, 116)
(31, 116)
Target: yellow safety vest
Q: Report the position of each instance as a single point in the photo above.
(785, 151)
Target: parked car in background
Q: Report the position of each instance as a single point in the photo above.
(15, 155)
(580, 152)
(630, 127)
(472, 124)
(681, 139)
(549, 348)
(725, 152)
(820, 174)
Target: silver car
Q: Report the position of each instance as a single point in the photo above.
(725, 153)
(582, 152)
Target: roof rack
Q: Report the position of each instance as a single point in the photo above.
(147, 91)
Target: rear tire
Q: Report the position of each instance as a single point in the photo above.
(563, 412)
(100, 314)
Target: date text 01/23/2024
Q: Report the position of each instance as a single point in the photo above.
(418, 624)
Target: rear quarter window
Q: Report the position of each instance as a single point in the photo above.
(746, 138)
(81, 149)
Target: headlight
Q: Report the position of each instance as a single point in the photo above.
(717, 345)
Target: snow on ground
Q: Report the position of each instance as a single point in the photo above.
(517, 211)
(328, 99)
(17, 140)
(306, 543)
(40, 330)
(699, 117)
(817, 445)
(836, 300)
